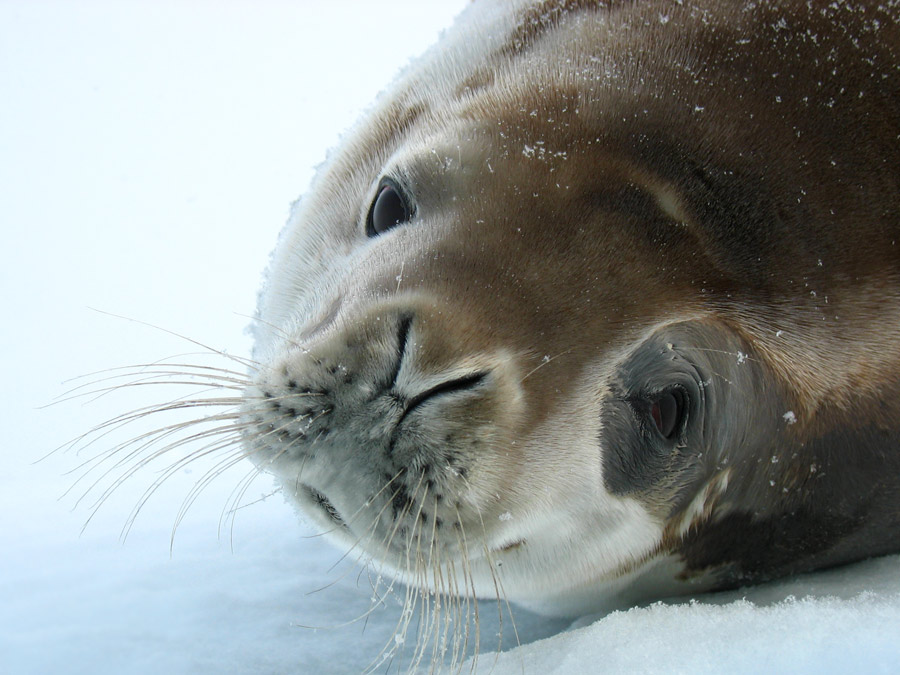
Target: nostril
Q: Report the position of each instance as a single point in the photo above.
(449, 387)
(402, 339)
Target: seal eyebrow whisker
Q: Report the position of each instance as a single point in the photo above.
(544, 361)
(246, 362)
(280, 332)
(739, 355)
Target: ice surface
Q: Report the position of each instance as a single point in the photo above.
(149, 152)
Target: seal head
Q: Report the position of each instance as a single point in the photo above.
(599, 304)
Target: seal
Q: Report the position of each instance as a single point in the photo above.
(600, 304)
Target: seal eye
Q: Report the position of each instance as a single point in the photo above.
(389, 209)
(667, 411)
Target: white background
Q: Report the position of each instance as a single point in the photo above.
(149, 152)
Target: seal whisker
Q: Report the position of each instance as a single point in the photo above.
(460, 603)
(375, 602)
(137, 369)
(151, 379)
(428, 614)
(546, 360)
(499, 592)
(167, 473)
(205, 480)
(443, 617)
(414, 590)
(136, 445)
(371, 529)
(233, 505)
(455, 615)
(470, 595)
(92, 436)
(136, 457)
(163, 367)
(358, 560)
(395, 641)
(738, 355)
(245, 362)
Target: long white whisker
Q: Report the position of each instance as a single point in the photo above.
(247, 363)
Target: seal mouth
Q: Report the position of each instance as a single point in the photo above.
(323, 504)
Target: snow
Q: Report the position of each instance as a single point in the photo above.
(149, 152)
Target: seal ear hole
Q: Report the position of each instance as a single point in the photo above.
(389, 208)
(668, 412)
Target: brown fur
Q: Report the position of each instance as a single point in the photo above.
(609, 198)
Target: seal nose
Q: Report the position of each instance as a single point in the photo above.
(406, 321)
(403, 393)
(452, 386)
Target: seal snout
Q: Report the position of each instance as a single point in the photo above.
(373, 423)
(453, 386)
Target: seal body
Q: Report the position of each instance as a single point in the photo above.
(600, 303)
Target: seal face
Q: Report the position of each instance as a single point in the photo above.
(600, 304)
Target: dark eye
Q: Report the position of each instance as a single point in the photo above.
(389, 209)
(668, 412)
